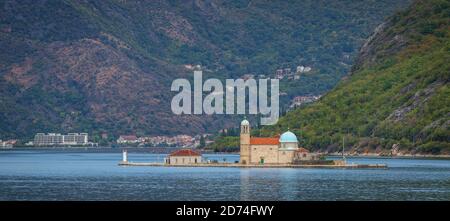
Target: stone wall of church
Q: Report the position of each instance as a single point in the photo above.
(285, 156)
(267, 152)
(245, 144)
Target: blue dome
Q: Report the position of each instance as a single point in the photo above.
(288, 136)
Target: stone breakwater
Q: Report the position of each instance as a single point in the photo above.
(237, 165)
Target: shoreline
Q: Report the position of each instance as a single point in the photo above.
(237, 165)
(165, 150)
(415, 156)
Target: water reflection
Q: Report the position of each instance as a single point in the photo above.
(245, 193)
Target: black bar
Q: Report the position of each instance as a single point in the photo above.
(351, 210)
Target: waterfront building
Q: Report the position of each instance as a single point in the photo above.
(123, 139)
(7, 143)
(270, 150)
(181, 140)
(75, 138)
(50, 139)
(303, 154)
(184, 157)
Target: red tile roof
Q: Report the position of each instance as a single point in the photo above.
(185, 152)
(264, 141)
(302, 150)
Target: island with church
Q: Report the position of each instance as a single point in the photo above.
(265, 152)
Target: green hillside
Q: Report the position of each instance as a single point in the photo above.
(397, 94)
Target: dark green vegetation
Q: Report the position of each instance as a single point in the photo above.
(225, 144)
(397, 94)
(106, 66)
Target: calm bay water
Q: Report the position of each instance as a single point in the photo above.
(49, 175)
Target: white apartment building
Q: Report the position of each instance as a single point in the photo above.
(41, 139)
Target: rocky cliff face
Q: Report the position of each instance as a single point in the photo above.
(107, 66)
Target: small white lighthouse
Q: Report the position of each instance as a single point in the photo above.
(124, 156)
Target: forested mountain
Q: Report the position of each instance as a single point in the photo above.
(107, 66)
(397, 97)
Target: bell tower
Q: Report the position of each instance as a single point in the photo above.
(245, 142)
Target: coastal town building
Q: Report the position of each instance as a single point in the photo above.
(124, 139)
(270, 150)
(279, 74)
(300, 100)
(183, 157)
(303, 69)
(290, 74)
(7, 143)
(287, 71)
(75, 138)
(50, 139)
(181, 140)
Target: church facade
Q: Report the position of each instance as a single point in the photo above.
(273, 150)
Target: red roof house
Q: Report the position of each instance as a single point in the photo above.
(184, 153)
(184, 157)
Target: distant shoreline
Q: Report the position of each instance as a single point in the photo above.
(403, 156)
(166, 150)
(161, 150)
